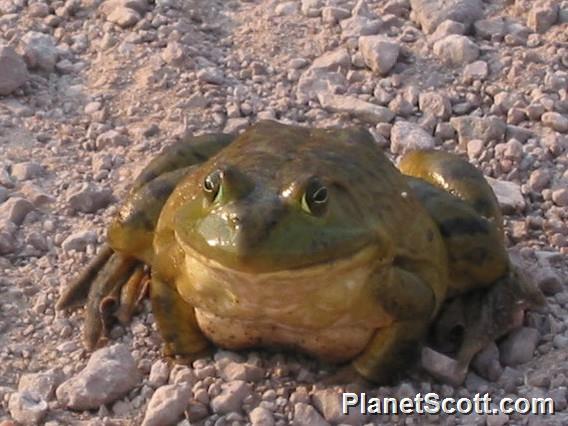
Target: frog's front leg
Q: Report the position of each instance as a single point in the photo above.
(176, 322)
(411, 302)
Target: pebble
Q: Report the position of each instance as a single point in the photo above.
(328, 402)
(167, 405)
(542, 16)
(442, 367)
(407, 136)
(484, 128)
(508, 195)
(110, 374)
(365, 111)
(478, 70)
(261, 416)
(560, 197)
(159, 373)
(307, 415)
(27, 407)
(431, 13)
(379, 53)
(15, 209)
(435, 104)
(456, 50)
(336, 60)
(42, 383)
(211, 75)
(555, 121)
(242, 371)
(79, 241)
(519, 346)
(231, 397)
(286, 8)
(111, 138)
(89, 198)
(486, 363)
(13, 70)
(40, 51)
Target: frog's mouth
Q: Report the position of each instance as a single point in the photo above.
(327, 294)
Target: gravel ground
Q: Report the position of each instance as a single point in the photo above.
(90, 91)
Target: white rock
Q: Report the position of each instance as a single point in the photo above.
(508, 195)
(435, 104)
(484, 128)
(447, 28)
(111, 138)
(286, 9)
(519, 346)
(542, 16)
(406, 136)
(235, 125)
(475, 148)
(332, 15)
(336, 60)
(307, 415)
(357, 26)
(261, 416)
(27, 407)
(110, 373)
(379, 53)
(442, 367)
(39, 50)
(211, 75)
(79, 241)
(328, 402)
(175, 53)
(15, 209)
(478, 70)
(13, 70)
(43, 383)
(159, 373)
(365, 111)
(242, 371)
(124, 17)
(231, 397)
(167, 405)
(27, 170)
(315, 81)
(560, 197)
(109, 6)
(431, 13)
(556, 121)
(89, 198)
(311, 8)
(38, 10)
(456, 50)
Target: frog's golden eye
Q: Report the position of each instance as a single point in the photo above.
(212, 185)
(315, 198)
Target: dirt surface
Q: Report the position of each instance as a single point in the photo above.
(90, 92)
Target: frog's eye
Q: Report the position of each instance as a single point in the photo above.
(314, 200)
(212, 185)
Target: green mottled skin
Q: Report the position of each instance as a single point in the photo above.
(361, 279)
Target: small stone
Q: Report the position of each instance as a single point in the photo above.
(196, 411)
(456, 50)
(431, 13)
(490, 28)
(235, 125)
(211, 75)
(43, 383)
(475, 148)
(261, 416)
(13, 70)
(435, 104)
(442, 367)
(110, 373)
(174, 54)
(39, 51)
(111, 138)
(333, 61)
(242, 371)
(542, 16)
(406, 136)
(307, 415)
(315, 81)
(27, 170)
(231, 397)
(27, 407)
(556, 121)
(124, 17)
(15, 209)
(38, 10)
(486, 363)
(446, 28)
(484, 128)
(358, 26)
(519, 346)
(286, 9)
(560, 197)
(328, 402)
(508, 195)
(332, 15)
(167, 405)
(478, 70)
(311, 8)
(363, 110)
(539, 179)
(379, 53)
(159, 374)
(89, 198)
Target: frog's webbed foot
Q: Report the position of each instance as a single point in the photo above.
(111, 287)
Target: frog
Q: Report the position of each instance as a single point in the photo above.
(290, 237)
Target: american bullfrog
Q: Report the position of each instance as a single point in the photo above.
(300, 238)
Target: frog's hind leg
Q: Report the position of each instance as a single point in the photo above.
(456, 176)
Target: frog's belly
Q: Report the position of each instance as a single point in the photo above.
(335, 344)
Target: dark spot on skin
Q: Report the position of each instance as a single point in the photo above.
(160, 189)
(429, 235)
(477, 256)
(141, 220)
(463, 225)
